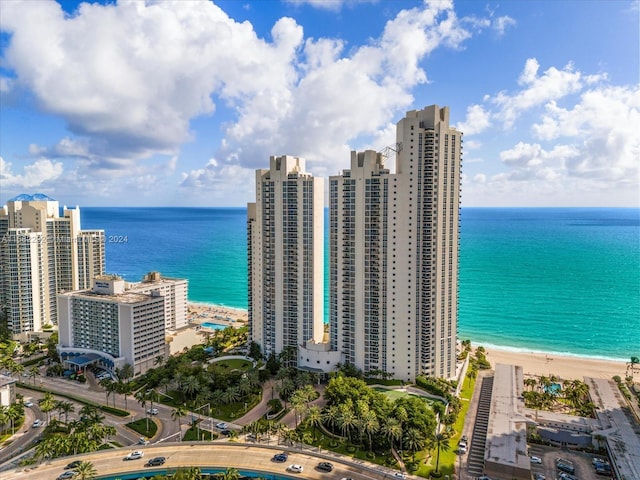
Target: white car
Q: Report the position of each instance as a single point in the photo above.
(37, 423)
(295, 468)
(221, 426)
(399, 475)
(28, 404)
(535, 459)
(152, 411)
(135, 455)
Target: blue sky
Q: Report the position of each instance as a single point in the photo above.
(177, 103)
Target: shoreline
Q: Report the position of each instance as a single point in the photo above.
(533, 362)
(566, 367)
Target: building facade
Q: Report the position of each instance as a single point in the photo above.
(174, 291)
(394, 252)
(285, 257)
(111, 326)
(43, 254)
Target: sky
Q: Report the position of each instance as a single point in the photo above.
(157, 102)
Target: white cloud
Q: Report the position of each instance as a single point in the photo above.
(553, 84)
(35, 174)
(501, 24)
(476, 121)
(331, 5)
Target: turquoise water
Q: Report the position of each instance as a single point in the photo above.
(211, 471)
(558, 280)
(213, 326)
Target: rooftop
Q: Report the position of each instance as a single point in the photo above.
(36, 197)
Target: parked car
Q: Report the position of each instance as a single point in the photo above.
(566, 468)
(535, 459)
(73, 464)
(155, 462)
(325, 466)
(295, 468)
(135, 455)
(462, 448)
(152, 411)
(280, 457)
(67, 474)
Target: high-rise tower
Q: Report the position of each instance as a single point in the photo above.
(394, 252)
(43, 254)
(285, 256)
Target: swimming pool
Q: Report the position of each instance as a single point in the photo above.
(213, 326)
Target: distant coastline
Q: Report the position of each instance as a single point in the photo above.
(563, 281)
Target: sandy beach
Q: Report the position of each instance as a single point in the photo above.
(565, 367)
(204, 312)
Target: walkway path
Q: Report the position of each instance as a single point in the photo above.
(269, 392)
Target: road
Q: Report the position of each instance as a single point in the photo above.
(219, 454)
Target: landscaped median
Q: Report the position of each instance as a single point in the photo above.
(84, 401)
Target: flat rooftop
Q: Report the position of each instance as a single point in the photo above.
(125, 297)
(507, 429)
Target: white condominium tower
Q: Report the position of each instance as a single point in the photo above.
(394, 252)
(112, 326)
(41, 255)
(285, 256)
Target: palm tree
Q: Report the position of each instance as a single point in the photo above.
(347, 419)
(471, 374)
(314, 417)
(86, 471)
(109, 387)
(530, 382)
(141, 397)
(34, 371)
(413, 441)
(369, 424)
(65, 408)
(13, 413)
(177, 414)
(331, 416)
(47, 404)
(392, 429)
(191, 385)
(441, 442)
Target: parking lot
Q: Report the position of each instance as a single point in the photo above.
(581, 461)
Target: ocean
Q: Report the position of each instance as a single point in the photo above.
(556, 280)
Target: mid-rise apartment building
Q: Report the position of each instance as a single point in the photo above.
(42, 254)
(111, 326)
(285, 260)
(174, 291)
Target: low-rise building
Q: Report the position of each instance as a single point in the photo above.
(111, 326)
(7, 390)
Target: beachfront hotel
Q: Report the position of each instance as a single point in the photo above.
(112, 326)
(41, 255)
(393, 260)
(174, 291)
(285, 256)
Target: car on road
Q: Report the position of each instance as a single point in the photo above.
(295, 468)
(152, 411)
(325, 466)
(462, 448)
(464, 438)
(221, 426)
(74, 464)
(399, 475)
(37, 423)
(225, 432)
(67, 474)
(483, 477)
(28, 404)
(135, 455)
(280, 457)
(535, 459)
(143, 441)
(155, 462)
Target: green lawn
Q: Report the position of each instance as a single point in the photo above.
(395, 394)
(140, 426)
(448, 459)
(192, 434)
(231, 364)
